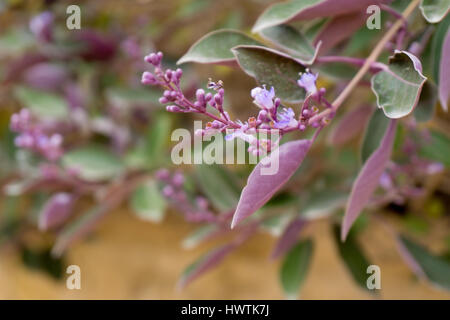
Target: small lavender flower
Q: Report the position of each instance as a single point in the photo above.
(285, 119)
(263, 98)
(308, 82)
(41, 26)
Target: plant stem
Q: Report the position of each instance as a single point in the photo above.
(367, 64)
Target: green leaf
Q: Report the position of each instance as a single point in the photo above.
(376, 128)
(292, 41)
(353, 257)
(148, 203)
(125, 97)
(434, 10)
(295, 268)
(438, 149)
(158, 138)
(323, 203)
(93, 163)
(78, 228)
(436, 46)
(198, 236)
(215, 47)
(42, 260)
(15, 41)
(427, 102)
(219, 185)
(42, 104)
(435, 268)
(398, 87)
(272, 68)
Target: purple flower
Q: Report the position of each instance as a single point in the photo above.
(285, 119)
(41, 26)
(263, 98)
(308, 82)
(239, 133)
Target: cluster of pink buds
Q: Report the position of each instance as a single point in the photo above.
(174, 192)
(271, 118)
(32, 137)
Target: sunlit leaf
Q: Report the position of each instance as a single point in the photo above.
(148, 203)
(434, 10)
(215, 47)
(292, 41)
(42, 104)
(92, 163)
(272, 68)
(219, 185)
(398, 88)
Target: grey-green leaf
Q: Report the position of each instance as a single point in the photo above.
(295, 268)
(398, 87)
(43, 104)
(435, 269)
(434, 10)
(292, 41)
(437, 149)
(148, 203)
(353, 257)
(219, 185)
(215, 47)
(427, 102)
(323, 203)
(375, 131)
(93, 163)
(272, 68)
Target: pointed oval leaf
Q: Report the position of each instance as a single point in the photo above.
(262, 186)
(219, 184)
(353, 258)
(205, 263)
(284, 12)
(148, 203)
(289, 237)
(423, 263)
(292, 41)
(272, 68)
(368, 179)
(56, 210)
(398, 88)
(434, 10)
(42, 104)
(295, 268)
(92, 163)
(350, 125)
(444, 71)
(215, 47)
(375, 131)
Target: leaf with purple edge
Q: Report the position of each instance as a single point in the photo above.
(261, 187)
(205, 263)
(444, 70)
(425, 264)
(284, 12)
(398, 88)
(289, 237)
(374, 133)
(272, 68)
(215, 47)
(56, 210)
(368, 179)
